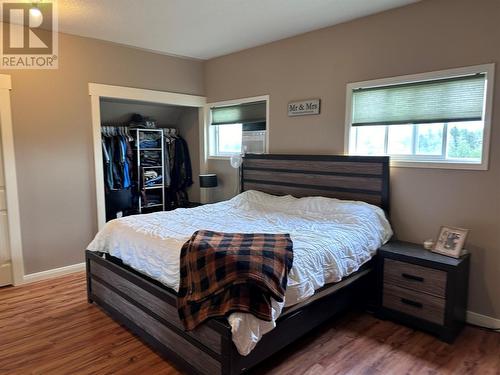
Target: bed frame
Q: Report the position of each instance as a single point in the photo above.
(148, 308)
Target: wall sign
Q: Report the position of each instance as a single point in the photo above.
(304, 107)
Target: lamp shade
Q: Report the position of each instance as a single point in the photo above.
(208, 180)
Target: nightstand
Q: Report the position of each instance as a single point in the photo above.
(422, 289)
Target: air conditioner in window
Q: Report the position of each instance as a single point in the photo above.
(254, 137)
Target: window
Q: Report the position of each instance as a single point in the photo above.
(235, 128)
(228, 139)
(459, 142)
(438, 119)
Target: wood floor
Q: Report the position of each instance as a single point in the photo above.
(48, 328)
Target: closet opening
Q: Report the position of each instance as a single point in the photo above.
(147, 152)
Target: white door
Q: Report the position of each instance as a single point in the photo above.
(5, 264)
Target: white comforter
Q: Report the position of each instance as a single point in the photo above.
(331, 239)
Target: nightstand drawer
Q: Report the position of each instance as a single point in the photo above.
(421, 279)
(420, 305)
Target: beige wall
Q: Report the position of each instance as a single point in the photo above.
(427, 36)
(52, 135)
(227, 179)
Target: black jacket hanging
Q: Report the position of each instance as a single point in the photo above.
(181, 174)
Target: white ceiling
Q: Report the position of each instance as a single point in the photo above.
(205, 29)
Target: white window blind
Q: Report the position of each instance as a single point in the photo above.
(456, 99)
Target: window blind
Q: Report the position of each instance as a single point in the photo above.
(239, 114)
(444, 100)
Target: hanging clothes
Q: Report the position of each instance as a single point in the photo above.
(167, 140)
(174, 172)
(182, 164)
(180, 172)
(117, 162)
(125, 166)
(118, 159)
(108, 165)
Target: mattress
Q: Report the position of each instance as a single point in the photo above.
(331, 239)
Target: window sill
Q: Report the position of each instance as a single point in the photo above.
(227, 157)
(219, 157)
(439, 165)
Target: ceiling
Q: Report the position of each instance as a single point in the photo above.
(204, 29)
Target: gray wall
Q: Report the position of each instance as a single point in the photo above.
(53, 139)
(426, 36)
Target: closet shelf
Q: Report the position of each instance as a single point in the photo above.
(152, 205)
(153, 187)
(154, 162)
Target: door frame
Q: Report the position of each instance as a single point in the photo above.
(98, 91)
(12, 198)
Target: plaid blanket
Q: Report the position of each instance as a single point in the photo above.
(227, 272)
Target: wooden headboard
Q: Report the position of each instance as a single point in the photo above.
(362, 178)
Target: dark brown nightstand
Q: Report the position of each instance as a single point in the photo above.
(422, 289)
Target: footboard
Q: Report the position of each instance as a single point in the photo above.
(150, 312)
(148, 309)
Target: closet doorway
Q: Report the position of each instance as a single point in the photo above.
(138, 127)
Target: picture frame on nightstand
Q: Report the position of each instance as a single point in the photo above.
(450, 241)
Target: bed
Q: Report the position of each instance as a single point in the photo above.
(143, 301)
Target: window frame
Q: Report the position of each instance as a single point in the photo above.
(210, 130)
(427, 162)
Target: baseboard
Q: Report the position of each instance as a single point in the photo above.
(482, 320)
(472, 317)
(44, 275)
(5, 274)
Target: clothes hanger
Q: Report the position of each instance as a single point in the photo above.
(167, 134)
(128, 135)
